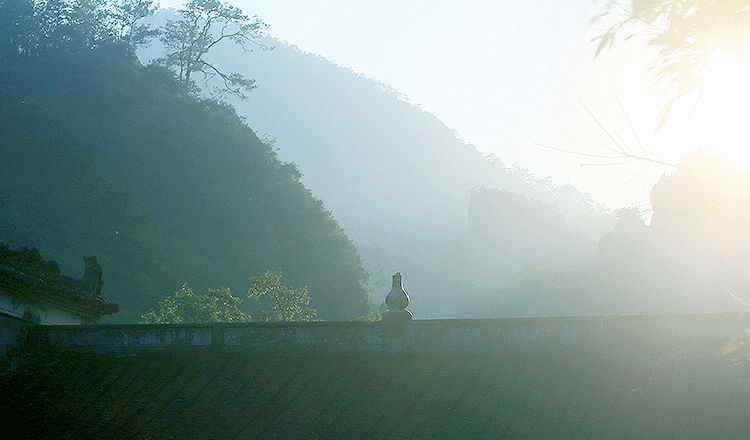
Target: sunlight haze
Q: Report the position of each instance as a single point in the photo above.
(507, 76)
(395, 219)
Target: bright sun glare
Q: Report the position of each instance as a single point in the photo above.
(720, 119)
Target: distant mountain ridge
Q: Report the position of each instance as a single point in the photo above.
(396, 177)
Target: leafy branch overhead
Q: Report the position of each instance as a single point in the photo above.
(203, 25)
(685, 33)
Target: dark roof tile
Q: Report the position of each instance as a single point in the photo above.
(26, 273)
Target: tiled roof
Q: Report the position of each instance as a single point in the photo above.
(25, 273)
(205, 395)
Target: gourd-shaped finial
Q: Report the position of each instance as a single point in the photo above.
(397, 301)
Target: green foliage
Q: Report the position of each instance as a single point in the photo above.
(271, 300)
(684, 32)
(282, 303)
(113, 158)
(31, 28)
(188, 306)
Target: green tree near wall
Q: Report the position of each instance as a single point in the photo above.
(188, 306)
(282, 303)
(273, 300)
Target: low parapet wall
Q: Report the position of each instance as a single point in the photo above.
(328, 337)
(496, 336)
(550, 378)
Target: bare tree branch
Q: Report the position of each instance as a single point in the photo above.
(576, 153)
(204, 25)
(632, 127)
(619, 152)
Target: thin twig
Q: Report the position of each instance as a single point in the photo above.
(632, 127)
(601, 126)
(622, 150)
(607, 164)
(577, 153)
(622, 155)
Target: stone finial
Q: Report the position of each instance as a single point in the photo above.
(397, 301)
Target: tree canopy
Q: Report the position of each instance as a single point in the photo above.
(269, 299)
(187, 306)
(279, 302)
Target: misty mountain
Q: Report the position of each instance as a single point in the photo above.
(396, 177)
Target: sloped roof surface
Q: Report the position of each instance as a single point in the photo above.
(227, 396)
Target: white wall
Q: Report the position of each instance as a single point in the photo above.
(12, 306)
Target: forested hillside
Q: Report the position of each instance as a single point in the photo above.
(105, 156)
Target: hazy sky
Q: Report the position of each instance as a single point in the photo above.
(506, 75)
